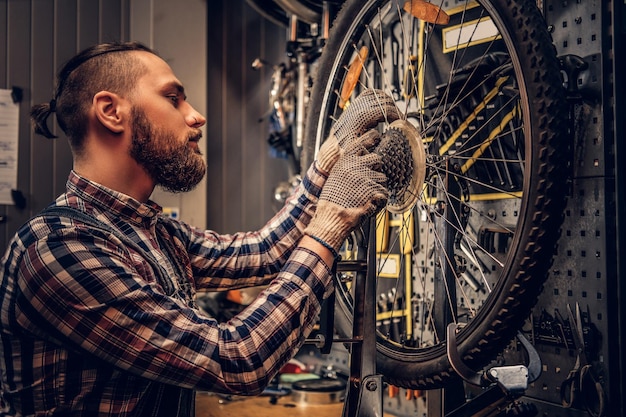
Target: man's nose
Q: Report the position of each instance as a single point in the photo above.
(195, 119)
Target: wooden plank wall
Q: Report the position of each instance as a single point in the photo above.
(38, 36)
(241, 173)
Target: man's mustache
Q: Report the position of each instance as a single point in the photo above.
(195, 136)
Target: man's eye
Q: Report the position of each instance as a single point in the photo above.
(174, 99)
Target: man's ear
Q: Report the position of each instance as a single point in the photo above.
(111, 110)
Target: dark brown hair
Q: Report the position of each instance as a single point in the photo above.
(104, 67)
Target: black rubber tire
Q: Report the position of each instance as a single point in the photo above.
(544, 191)
(278, 11)
(270, 11)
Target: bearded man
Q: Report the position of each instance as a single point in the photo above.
(97, 292)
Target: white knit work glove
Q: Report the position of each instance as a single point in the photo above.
(364, 113)
(355, 189)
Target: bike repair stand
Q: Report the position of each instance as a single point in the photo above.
(503, 384)
(364, 397)
(364, 394)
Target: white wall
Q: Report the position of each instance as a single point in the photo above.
(177, 31)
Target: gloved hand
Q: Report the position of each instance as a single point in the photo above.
(354, 190)
(364, 113)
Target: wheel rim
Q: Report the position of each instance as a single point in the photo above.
(471, 226)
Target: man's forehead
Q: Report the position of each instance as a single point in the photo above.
(158, 71)
(153, 61)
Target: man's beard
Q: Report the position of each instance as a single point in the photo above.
(172, 165)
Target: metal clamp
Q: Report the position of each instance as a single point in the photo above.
(511, 378)
(506, 383)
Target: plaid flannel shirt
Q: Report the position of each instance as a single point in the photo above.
(89, 329)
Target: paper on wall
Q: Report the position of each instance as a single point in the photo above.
(9, 134)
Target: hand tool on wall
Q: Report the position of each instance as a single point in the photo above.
(582, 387)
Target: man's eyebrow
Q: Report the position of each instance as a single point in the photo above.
(176, 86)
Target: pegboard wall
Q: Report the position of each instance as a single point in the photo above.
(584, 260)
(581, 31)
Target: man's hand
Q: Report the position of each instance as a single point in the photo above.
(355, 190)
(366, 111)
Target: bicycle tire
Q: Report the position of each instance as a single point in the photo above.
(279, 11)
(303, 9)
(540, 123)
(271, 11)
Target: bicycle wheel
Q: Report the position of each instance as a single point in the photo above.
(481, 83)
(307, 11)
(279, 11)
(270, 11)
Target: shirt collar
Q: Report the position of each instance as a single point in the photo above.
(114, 202)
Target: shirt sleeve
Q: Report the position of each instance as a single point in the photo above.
(254, 258)
(79, 289)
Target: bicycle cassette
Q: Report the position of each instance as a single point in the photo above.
(404, 163)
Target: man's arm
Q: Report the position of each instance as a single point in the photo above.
(254, 258)
(82, 292)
